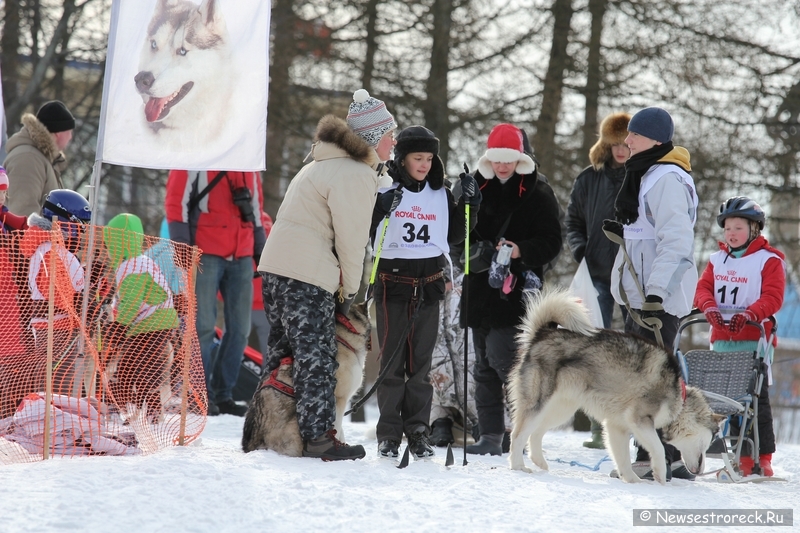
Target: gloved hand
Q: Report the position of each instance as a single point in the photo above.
(343, 307)
(739, 321)
(614, 227)
(469, 189)
(714, 317)
(389, 200)
(652, 298)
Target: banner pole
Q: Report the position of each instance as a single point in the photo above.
(51, 311)
(187, 347)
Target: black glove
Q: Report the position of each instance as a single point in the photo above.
(388, 201)
(343, 308)
(614, 227)
(652, 298)
(470, 190)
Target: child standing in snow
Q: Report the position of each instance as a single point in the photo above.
(424, 220)
(744, 282)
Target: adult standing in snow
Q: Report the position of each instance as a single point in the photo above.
(424, 220)
(590, 202)
(655, 213)
(519, 210)
(314, 258)
(36, 158)
(218, 212)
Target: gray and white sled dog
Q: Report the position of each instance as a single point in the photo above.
(186, 74)
(271, 420)
(628, 383)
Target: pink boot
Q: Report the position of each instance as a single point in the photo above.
(746, 465)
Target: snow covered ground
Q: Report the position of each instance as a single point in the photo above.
(212, 487)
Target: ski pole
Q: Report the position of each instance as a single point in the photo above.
(464, 308)
(380, 242)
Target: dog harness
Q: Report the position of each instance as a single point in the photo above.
(683, 390)
(284, 388)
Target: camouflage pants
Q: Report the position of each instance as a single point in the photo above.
(302, 326)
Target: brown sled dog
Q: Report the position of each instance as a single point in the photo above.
(271, 420)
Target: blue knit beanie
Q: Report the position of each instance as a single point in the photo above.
(654, 123)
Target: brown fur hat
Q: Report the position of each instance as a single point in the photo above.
(613, 130)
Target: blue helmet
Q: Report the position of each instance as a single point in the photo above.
(67, 205)
(741, 207)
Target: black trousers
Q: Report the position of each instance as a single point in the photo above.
(495, 353)
(405, 395)
(766, 433)
(669, 330)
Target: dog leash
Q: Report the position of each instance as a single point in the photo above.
(650, 323)
(356, 406)
(594, 468)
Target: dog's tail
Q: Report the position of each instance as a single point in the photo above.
(549, 308)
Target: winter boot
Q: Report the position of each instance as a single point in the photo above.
(643, 470)
(442, 432)
(389, 448)
(765, 462)
(229, 407)
(506, 441)
(679, 471)
(596, 442)
(419, 445)
(491, 444)
(746, 465)
(329, 448)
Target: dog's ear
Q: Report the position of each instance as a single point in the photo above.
(210, 13)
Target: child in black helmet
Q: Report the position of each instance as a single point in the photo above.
(743, 282)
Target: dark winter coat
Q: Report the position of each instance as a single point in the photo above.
(534, 227)
(590, 202)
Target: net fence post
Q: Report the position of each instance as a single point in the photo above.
(51, 311)
(187, 344)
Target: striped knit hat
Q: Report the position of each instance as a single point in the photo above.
(3, 179)
(369, 118)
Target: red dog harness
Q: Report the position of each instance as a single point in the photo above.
(284, 388)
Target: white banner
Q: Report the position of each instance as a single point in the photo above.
(186, 85)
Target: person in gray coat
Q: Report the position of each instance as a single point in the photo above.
(655, 212)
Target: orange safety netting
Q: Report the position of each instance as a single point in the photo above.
(100, 323)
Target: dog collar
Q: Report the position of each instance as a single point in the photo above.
(683, 390)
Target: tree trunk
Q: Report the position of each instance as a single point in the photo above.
(435, 107)
(544, 140)
(14, 110)
(372, 44)
(594, 73)
(283, 52)
(9, 58)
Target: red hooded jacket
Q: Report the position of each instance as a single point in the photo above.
(773, 285)
(220, 229)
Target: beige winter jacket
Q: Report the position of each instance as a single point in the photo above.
(34, 164)
(323, 223)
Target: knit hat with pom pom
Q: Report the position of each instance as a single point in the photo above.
(369, 118)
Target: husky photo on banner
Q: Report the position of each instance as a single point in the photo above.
(186, 85)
